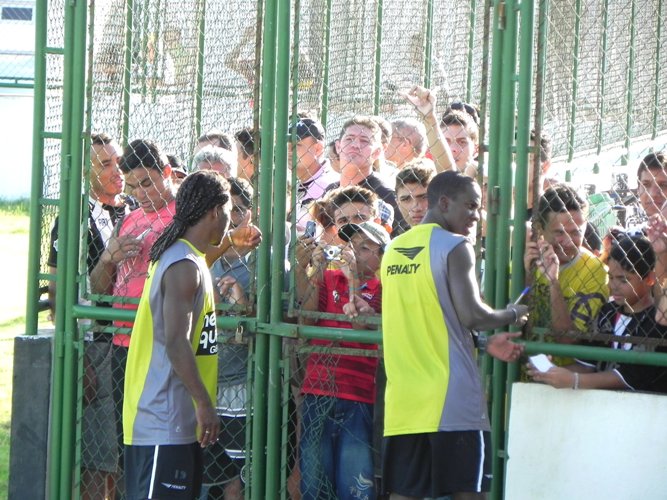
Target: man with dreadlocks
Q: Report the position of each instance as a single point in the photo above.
(171, 374)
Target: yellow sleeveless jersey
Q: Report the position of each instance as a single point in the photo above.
(433, 383)
(157, 408)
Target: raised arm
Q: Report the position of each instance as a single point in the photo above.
(424, 101)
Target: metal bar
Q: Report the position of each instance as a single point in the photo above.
(494, 128)
(603, 76)
(501, 252)
(327, 56)
(37, 184)
(630, 96)
(199, 96)
(72, 99)
(268, 100)
(658, 71)
(377, 68)
(523, 145)
(127, 70)
(16, 85)
(36, 190)
(597, 353)
(428, 44)
(471, 47)
(575, 82)
(274, 385)
(540, 72)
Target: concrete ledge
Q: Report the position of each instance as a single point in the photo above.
(31, 388)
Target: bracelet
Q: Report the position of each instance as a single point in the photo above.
(516, 314)
(575, 386)
(229, 237)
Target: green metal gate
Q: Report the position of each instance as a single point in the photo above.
(588, 73)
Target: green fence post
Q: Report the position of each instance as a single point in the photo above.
(630, 82)
(37, 177)
(471, 47)
(575, 81)
(72, 98)
(659, 20)
(327, 55)
(428, 45)
(127, 70)
(273, 448)
(377, 68)
(201, 45)
(262, 345)
(603, 76)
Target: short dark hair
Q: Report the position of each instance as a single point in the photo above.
(450, 184)
(545, 145)
(463, 120)
(247, 138)
(222, 139)
(653, 161)
(353, 194)
(100, 139)
(142, 153)
(363, 121)
(559, 199)
(414, 175)
(634, 254)
(241, 187)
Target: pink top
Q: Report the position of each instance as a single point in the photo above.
(131, 273)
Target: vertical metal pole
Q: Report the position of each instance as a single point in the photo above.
(630, 96)
(428, 45)
(525, 83)
(258, 457)
(37, 184)
(471, 48)
(127, 74)
(503, 160)
(603, 77)
(494, 128)
(72, 97)
(199, 96)
(273, 468)
(327, 55)
(542, 43)
(377, 69)
(658, 71)
(575, 82)
(36, 192)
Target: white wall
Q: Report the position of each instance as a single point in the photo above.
(586, 444)
(15, 143)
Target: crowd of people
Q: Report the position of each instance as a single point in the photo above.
(386, 216)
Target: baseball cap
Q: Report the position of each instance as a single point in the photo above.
(374, 232)
(307, 127)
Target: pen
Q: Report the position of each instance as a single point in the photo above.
(522, 295)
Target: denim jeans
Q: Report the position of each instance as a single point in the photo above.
(336, 451)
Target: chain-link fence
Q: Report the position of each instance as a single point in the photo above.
(166, 88)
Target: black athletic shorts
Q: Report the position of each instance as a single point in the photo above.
(163, 471)
(437, 464)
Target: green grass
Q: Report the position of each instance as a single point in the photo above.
(14, 223)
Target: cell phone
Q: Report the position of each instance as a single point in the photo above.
(310, 229)
(541, 362)
(143, 234)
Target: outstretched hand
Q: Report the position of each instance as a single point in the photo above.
(500, 346)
